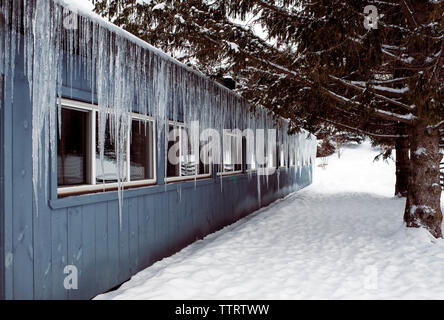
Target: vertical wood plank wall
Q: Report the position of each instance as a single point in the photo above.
(38, 239)
(2, 209)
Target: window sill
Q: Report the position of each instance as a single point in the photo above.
(74, 200)
(100, 188)
(227, 174)
(185, 179)
(137, 191)
(255, 171)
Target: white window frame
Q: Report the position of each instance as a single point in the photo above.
(93, 186)
(182, 178)
(229, 133)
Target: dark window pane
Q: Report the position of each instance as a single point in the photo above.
(203, 168)
(107, 171)
(72, 148)
(141, 151)
(237, 152)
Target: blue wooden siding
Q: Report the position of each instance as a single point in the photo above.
(2, 215)
(38, 242)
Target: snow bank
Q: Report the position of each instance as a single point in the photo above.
(376, 177)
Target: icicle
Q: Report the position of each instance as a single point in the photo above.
(259, 200)
(44, 73)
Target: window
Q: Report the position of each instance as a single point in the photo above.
(232, 153)
(283, 152)
(79, 167)
(141, 151)
(182, 162)
(269, 153)
(72, 148)
(106, 171)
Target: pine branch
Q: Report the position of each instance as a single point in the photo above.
(366, 133)
(376, 95)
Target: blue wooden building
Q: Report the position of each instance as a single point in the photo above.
(86, 116)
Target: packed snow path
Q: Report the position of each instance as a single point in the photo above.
(340, 238)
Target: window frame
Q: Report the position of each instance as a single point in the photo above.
(93, 186)
(239, 136)
(181, 178)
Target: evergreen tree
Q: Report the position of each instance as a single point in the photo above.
(320, 61)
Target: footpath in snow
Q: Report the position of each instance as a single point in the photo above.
(341, 238)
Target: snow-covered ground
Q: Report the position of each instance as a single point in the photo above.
(341, 238)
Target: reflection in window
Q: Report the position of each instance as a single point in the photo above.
(141, 151)
(72, 155)
(106, 171)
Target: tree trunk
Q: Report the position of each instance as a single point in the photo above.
(423, 207)
(402, 166)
